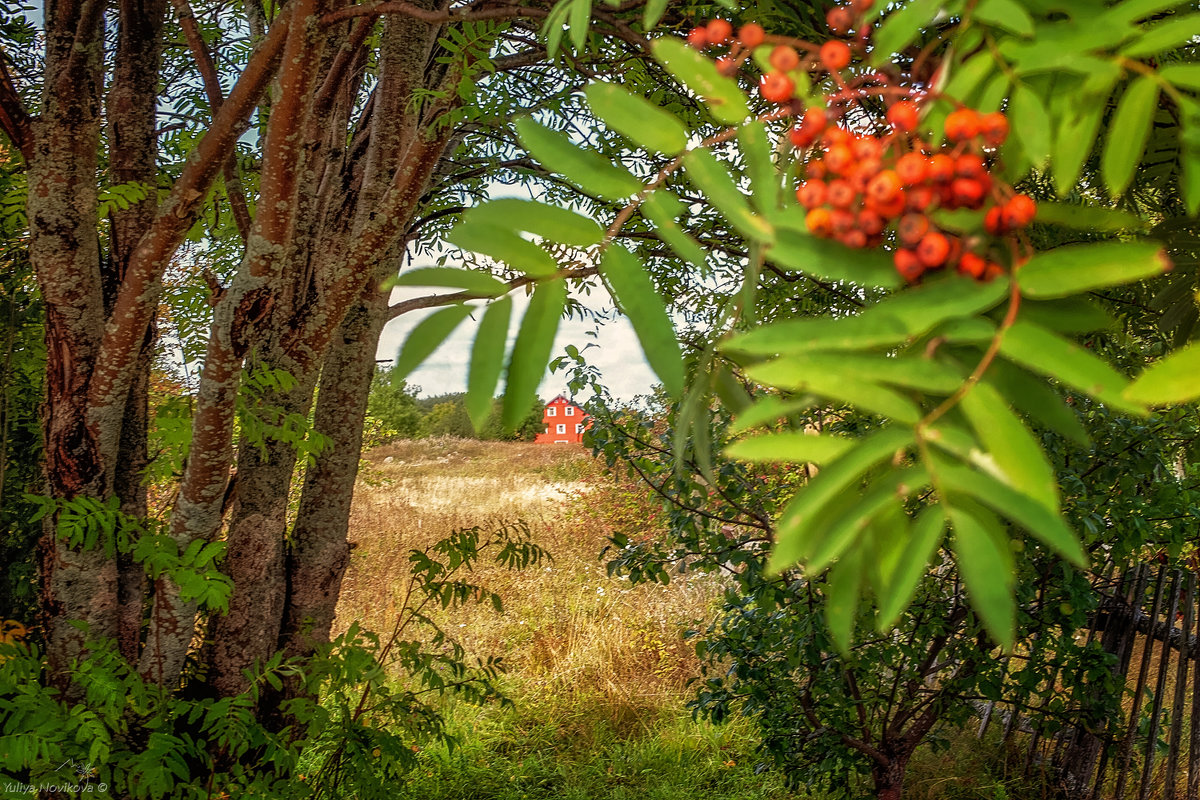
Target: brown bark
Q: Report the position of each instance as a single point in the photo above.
(133, 148)
(65, 252)
(14, 119)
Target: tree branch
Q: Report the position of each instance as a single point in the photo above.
(432, 17)
(14, 119)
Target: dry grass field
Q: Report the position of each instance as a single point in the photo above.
(597, 668)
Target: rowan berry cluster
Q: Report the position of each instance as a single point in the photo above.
(866, 183)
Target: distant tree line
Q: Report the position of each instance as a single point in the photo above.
(395, 412)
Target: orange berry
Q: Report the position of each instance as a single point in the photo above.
(784, 58)
(840, 193)
(840, 20)
(835, 136)
(912, 169)
(855, 237)
(941, 168)
(812, 193)
(962, 125)
(971, 265)
(903, 116)
(835, 56)
(912, 229)
(816, 169)
(698, 38)
(820, 222)
(751, 35)
(843, 220)
(864, 172)
(839, 159)
(866, 147)
(908, 265)
(993, 128)
(889, 209)
(933, 249)
(968, 193)
(726, 66)
(811, 124)
(992, 271)
(1019, 211)
(776, 87)
(920, 198)
(884, 187)
(719, 31)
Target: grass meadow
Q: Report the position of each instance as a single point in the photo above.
(598, 670)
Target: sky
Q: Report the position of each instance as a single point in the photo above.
(618, 355)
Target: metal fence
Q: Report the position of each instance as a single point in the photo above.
(1147, 745)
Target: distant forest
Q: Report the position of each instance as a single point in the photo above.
(395, 412)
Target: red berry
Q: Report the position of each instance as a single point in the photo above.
(841, 194)
(921, 198)
(870, 222)
(903, 116)
(816, 169)
(840, 20)
(726, 65)
(866, 147)
(908, 265)
(993, 128)
(751, 35)
(843, 220)
(889, 209)
(971, 265)
(812, 123)
(864, 172)
(1019, 211)
(835, 56)
(820, 222)
(812, 193)
(992, 271)
(993, 221)
(855, 237)
(784, 58)
(776, 87)
(884, 187)
(941, 168)
(719, 31)
(912, 229)
(968, 193)
(698, 38)
(969, 165)
(836, 136)
(933, 249)
(962, 125)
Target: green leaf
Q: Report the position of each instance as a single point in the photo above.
(842, 588)
(901, 27)
(722, 96)
(793, 536)
(1168, 35)
(1007, 14)
(426, 337)
(862, 394)
(968, 76)
(1070, 315)
(922, 374)
(580, 16)
(642, 303)
(531, 352)
(590, 171)
(662, 209)
(503, 244)
(1030, 124)
(1175, 379)
(768, 410)
(1069, 270)
(555, 223)
(1185, 75)
(1130, 128)
(1073, 143)
(637, 118)
(887, 492)
(1042, 351)
(1088, 218)
(1038, 400)
(832, 261)
(469, 280)
(653, 13)
(710, 176)
(793, 447)
(765, 182)
(1012, 453)
(985, 561)
(487, 360)
(904, 560)
(1043, 524)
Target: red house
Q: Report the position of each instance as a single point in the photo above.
(565, 422)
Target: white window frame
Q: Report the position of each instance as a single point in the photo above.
(562, 428)
(551, 411)
(579, 427)
(569, 411)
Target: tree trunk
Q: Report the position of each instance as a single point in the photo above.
(889, 777)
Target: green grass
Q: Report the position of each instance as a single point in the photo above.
(581, 752)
